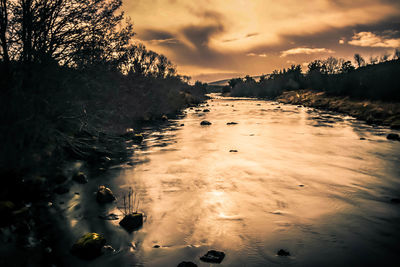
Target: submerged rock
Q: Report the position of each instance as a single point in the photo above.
(80, 177)
(187, 264)
(283, 253)
(213, 256)
(104, 195)
(393, 136)
(132, 221)
(205, 123)
(89, 246)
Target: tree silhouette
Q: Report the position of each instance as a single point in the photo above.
(359, 60)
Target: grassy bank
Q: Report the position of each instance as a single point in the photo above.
(373, 112)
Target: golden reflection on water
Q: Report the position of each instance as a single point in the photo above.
(301, 180)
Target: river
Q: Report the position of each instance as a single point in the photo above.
(301, 180)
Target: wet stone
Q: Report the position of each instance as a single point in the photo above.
(132, 221)
(104, 195)
(205, 123)
(213, 256)
(283, 253)
(393, 136)
(187, 264)
(80, 178)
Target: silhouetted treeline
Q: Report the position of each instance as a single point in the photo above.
(374, 81)
(70, 66)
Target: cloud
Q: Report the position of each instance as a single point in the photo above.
(305, 50)
(256, 55)
(369, 39)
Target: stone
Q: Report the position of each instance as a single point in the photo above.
(233, 150)
(205, 123)
(156, 246)
(283, 253)
(213, 256)
(164, 117)
(137, 138)
(187, 264)
(80, 177)
(104, 195)
(89, 246)
(393, 136)
(395, 200)
(132, 221)
(182, 124)
(231, 123)
(206, 110)
(362, 138)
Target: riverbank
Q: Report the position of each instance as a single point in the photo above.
(30, 204)
(373, 112)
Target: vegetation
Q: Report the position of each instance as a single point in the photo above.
(374, 81)
(70, 73)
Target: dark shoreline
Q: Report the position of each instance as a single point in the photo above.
(373, 112)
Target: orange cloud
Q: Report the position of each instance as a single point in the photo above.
(369, 39)
(305, 50)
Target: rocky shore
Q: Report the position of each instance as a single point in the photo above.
(373, 112)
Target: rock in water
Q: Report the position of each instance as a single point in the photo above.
(206, 110)
(132, 221)
(89, 246)
(187, 264)
(137, 138)
(233, 151)
(205, 123)
(80, 177)
(104, 195)
(213, 256)
(393, 136)
(283, 252)
(231, 123)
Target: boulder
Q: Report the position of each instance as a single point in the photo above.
(80, 177)
(205, 123)
(187, 264)
(213, 256)
(89, 246)
(393, 136)
(283, 253)
(104, 195)
(132, 221)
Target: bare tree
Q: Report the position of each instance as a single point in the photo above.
(359, 60)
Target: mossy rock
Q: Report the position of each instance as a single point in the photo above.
(88, 246)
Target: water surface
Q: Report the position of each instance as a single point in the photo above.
(301, 180)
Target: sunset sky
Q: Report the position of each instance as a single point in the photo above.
(217, 39)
